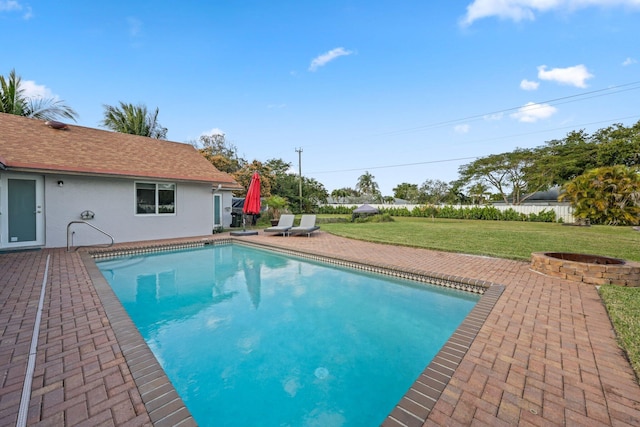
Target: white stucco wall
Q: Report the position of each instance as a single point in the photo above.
(113, 202)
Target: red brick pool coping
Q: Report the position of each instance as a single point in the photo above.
(413, 408)
(546, 354)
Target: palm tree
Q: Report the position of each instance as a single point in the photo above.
(14, 101)
(134, 120)
(367, 186)
(606, 195)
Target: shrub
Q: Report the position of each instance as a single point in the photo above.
(488, 213)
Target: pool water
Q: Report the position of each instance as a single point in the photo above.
(255, 338)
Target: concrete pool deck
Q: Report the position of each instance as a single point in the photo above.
(546, 354)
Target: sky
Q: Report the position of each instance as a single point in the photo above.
(405, 90)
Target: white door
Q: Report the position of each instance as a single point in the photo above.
(21, 210)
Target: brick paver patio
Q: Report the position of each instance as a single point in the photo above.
(546, 354)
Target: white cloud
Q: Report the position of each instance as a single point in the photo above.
(461, 128)
(494, 116)
(15, 6)
(214, 131)
(529, 85)
(629, 61)
(520, 10)
(532, 112)
(276, 106)
(574, 76)
(135, 26)
(9, 6)
(33, 90)
(325, 58)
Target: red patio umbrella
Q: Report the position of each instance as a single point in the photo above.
(252, 200)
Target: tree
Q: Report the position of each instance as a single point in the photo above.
(368, 187)
(276, 205)
(456, 195)
(479, 193)
(278, 169)
(579, 152)
(221, 153)
(492, 170)
(606, 195)
(14, 101)
(134, 120)
(567, 158)
(278, 166)
(279, 182)
(406, 191)
(516, 175)
(519, 174)
(313, 192)
(434, 191)
(618, 145)
(243, 177)
(388, 200)
(344, 194)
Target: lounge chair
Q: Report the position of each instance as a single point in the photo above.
(284, 225)
(307, 226)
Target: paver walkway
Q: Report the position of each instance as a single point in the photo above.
(546, 354)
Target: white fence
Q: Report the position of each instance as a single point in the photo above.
(564, 212)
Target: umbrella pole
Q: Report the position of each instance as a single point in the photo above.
(244, 228)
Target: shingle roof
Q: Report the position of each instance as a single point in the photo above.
(30, 145)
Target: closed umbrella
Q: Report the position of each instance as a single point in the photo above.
(252, 201)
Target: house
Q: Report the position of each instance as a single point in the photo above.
(53, 176)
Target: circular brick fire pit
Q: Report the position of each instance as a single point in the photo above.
(591, 269)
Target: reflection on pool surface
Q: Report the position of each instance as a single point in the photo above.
(250, 337)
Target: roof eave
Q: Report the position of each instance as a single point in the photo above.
(108, 174)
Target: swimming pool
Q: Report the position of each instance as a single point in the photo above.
(250, 337)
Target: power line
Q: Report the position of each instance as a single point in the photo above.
(468, 158)
(611, 90)
(397, 166)
(555, 101)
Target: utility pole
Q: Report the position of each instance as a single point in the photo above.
(299, 151)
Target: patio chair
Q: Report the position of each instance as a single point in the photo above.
(307, 226)
(284, 225)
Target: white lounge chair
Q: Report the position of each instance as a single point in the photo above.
(307, 226)
(285, 223)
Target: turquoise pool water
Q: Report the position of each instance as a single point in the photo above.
(256, 338)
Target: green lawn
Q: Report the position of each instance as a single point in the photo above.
(503, 239)
(517, 240)
(623, 305)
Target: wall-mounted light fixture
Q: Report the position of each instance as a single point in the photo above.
(215, 190)
(60, 183)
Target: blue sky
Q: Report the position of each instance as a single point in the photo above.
(407, 90)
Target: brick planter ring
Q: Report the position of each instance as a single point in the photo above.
(590, 269)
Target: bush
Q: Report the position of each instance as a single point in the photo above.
(385, 217)
(335, 210)
(488, 213)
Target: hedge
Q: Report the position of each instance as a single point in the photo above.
(488, 213)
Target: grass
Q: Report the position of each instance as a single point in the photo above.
(517, 240)
(623, 305)
(502, 239)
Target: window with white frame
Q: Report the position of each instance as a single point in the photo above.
(155, 198)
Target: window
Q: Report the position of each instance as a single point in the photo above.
(155, 199)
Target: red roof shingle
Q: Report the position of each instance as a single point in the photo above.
(30, 145)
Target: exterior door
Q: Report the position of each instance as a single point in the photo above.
(22, 203)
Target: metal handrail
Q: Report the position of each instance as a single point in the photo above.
(95, 228)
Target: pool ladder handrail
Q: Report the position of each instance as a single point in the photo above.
(106, 245)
